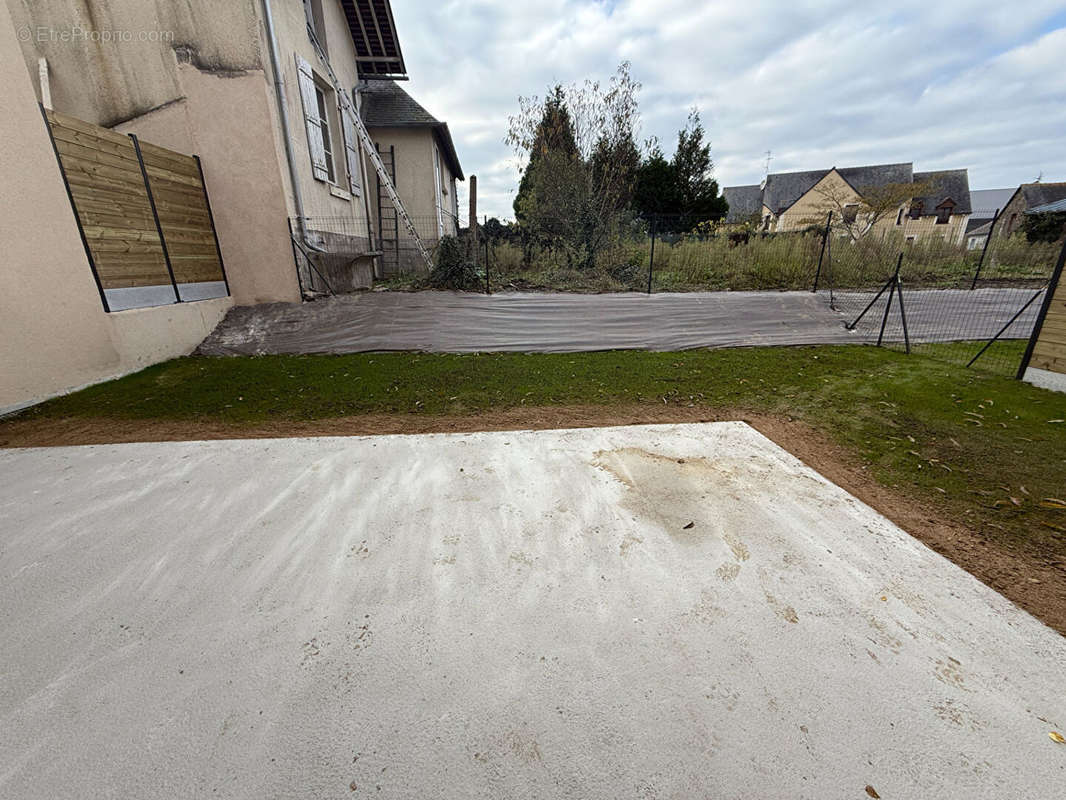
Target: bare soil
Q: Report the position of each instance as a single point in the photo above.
(1027, 577)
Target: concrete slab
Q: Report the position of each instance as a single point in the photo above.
(671, 611)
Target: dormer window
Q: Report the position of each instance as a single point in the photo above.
(943, 212)
(916, 210)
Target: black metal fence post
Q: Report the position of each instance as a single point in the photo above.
(903, 314)
(888, 307)
(1053, 284)
(651, 258)
(155, 216)
(821, 254)
(74, 209)
(984, 250)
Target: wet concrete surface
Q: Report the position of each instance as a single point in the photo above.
(649, 611)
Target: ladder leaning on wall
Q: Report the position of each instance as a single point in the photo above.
(371, 151)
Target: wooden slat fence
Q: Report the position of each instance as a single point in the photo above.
(144, 215)
(1047, 347)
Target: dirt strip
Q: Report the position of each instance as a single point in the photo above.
(1026, 577)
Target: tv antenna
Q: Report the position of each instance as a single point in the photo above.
(769, 158)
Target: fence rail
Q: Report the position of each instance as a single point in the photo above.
(143, 213)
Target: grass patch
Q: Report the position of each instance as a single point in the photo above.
(983, 447)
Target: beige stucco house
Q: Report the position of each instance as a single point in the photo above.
(792, 201)
(261, 90)
(242, 85)
(419, 152)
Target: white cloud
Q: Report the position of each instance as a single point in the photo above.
(945, 85)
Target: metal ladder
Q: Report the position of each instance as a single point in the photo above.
(371, 150)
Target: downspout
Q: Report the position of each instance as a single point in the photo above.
(283, 110)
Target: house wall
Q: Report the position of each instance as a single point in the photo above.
(320, 199)
(54, 333)
(812, 208)
(1011, 217)
(202, 84)
(245, 181)
(449, 196)
(414, 174)
(953, 231)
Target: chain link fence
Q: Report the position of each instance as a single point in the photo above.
(976, 307)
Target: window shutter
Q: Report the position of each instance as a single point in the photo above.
(351, 151)
(315, 145)
(310, 15)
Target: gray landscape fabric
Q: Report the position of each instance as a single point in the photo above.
(457, 322)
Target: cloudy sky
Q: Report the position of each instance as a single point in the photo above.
(966, 83)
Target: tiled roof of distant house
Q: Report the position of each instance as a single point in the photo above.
(386, 105)
(1039, 194)
(744, 202)
(946, 184)
(985, 202)
(1049, 208)
(781, 190)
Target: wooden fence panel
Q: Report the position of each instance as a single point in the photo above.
(113, 188)
(102, 171)
(1050, 350)
(183, 214)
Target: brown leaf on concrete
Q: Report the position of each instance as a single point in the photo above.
(872, 791)
(1055, 736)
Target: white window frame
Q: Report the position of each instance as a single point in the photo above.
(322, 109)
(437, 191)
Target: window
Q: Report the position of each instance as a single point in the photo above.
(437, 183)
(943, 212)
(323, 124)
(899, 216)
(315, 22)
(916, 210)
(851, 211)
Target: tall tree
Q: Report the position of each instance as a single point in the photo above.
(655, 192)
(581, 163)
(696, 187)
(553, 139)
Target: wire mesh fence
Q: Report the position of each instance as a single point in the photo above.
(972, 307)
(975, 307)
(336, 254)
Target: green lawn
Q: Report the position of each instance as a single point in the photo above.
(986, 449)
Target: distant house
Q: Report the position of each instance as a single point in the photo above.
(1026, 197)
(418, 151)
(790, 201)
(985, 204)
(977, 235)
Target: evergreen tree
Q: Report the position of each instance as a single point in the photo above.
(696, 187)
(655, 191)
(554, 139)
